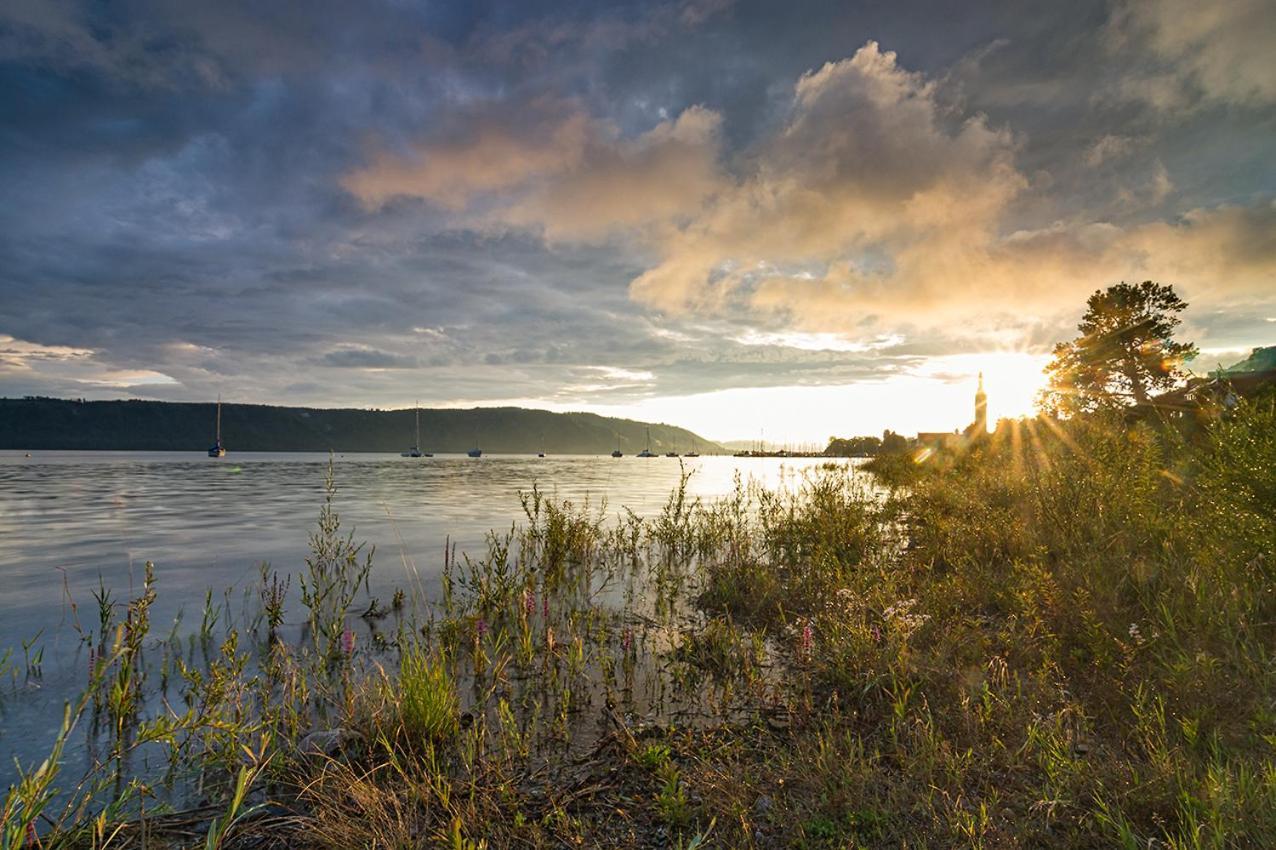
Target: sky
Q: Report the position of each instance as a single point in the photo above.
(780, 220)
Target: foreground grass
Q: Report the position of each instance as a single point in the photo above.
(1061, 637)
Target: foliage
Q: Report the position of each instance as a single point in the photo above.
(139, 425)
(334, 573)
(1125, 351)
(893, 443)
(1057, 637)
(853, 446)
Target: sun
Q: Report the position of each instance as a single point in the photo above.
(1012, 379)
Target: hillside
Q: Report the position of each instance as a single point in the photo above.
(1259, 360)
(46, 423)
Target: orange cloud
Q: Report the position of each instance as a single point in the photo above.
(870, 204)
(664, 174)
(865, 165)
(490, 158)
(566, 175)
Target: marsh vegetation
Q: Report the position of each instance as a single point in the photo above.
(1059, 636)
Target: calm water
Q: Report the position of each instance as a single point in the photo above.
(69, 520)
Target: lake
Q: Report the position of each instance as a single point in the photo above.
(72, 520)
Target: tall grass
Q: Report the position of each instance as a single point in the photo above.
(426, 697)
(1059, 637)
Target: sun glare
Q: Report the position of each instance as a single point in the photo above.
(937, 396)
(1012, 379)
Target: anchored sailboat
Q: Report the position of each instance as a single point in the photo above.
(647, 451)
(217, 449)
(415, 451)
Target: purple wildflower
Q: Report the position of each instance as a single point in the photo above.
(808, 639)
(529, 602)
(480, 628)
(347, 642)
(627, 639)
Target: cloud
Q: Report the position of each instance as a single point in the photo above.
(866, 171)
(1220, 255)
(1216, 257)
(554, 169)
(871, 209)
(814, 341)
(510, 199)
(1223, 47)
(362, 357)
(27, 368)
(490, 155)
(18, 354)
(1110, 147)
(622, 184)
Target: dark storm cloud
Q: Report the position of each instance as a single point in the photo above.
(179, 216)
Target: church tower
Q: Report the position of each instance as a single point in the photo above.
(980, 426)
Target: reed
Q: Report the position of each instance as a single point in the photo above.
(1059, 636)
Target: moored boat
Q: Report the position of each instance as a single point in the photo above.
(647, 451)
(415, 451)
(217, 449)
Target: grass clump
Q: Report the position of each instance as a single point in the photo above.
(425, 695)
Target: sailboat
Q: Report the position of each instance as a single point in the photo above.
(693, 452)
(647, 451)
(217, 449)
(475, 453)
(415, 451)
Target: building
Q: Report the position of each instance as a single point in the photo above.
(940, 439)
(980, 426)
(1222, 388)
(955, 439)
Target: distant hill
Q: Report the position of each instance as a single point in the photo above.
(47, 423)
(1259, 360)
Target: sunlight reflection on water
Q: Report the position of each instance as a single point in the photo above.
(81, 517)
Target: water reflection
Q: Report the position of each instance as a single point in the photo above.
(72, 520)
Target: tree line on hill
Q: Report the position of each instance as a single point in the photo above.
(52, 424)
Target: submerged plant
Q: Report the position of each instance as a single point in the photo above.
(335, 570)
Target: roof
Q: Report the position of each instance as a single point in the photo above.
(1243, 384)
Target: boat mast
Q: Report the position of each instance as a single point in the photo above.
(417, 444)
(219, 419)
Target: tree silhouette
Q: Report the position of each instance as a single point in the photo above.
(1125, 352)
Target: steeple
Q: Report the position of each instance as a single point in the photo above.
(980, 425)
